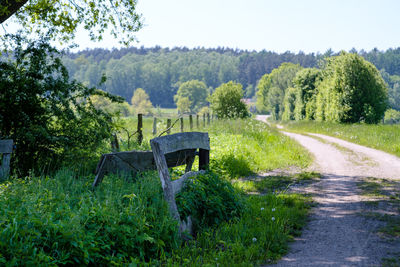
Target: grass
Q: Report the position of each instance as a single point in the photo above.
(58, 220)
(380, 136)
(272, 184)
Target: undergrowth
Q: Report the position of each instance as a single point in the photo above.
(58, 220)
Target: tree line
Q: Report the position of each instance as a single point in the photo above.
(161, 71)
(347, 88)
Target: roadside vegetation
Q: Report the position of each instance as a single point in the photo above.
(379, 136)
(56, 219)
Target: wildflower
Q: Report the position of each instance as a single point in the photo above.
(273, 209)
(273, 218)
(254, 239)
(262, 208)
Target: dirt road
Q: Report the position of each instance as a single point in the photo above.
(337, 235)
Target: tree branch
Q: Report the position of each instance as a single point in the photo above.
(12, 6)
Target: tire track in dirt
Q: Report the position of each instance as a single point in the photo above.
(337, 235)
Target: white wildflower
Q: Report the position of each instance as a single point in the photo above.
(273, 209)
(262, 208)
(273, 218)
(254, 239)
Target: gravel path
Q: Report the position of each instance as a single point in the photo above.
(337, 235)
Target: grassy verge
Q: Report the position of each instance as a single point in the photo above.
(384, 205)
(383, 137)
(58, 220)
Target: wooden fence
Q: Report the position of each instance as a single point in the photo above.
(206, 120)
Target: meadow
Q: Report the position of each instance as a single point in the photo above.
(58, 220)
(380, 136)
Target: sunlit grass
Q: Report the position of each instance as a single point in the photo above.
(383, 137)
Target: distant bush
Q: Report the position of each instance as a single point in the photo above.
(226, 101)
(392, 116)
(352, 90)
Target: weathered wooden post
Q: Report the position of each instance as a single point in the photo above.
(114, 143)
(191, 122)
(161, 146)
(154, 126)
(140, 128)
(168, 126)
(6, 147)
(181, 124)
(204, 119)
(197, 121)
(208, 118)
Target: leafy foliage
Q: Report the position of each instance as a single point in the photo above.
(305, 83)
(392, 116)
(195, 92)
(226, 101)
(60, 19)
(60, 221)
(272, 88)
(289, 104)
(50, 118)
(210, 200)
(140, 102)
(352, 90)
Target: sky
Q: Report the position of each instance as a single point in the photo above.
(273, 25)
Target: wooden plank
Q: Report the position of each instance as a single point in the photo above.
(165, 180)
(5, 166)
(136, 161)
(204, 159)
(181, 141)
(6, 146)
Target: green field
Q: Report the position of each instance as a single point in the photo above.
(379, 136)
(57, 219)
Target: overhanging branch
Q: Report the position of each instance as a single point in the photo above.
(11, 6)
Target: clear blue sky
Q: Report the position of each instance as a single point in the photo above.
(279, 25)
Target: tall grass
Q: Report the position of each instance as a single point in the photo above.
(379, 136)
(244, 147)
(59, 220)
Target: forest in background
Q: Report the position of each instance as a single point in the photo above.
(160, 71)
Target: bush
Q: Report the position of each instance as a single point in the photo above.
(210, 200)
(352, 90)
(60, 221)
(51, 119)
(226, 101)
(392, 116)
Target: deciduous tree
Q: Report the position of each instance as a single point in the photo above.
(194, 90)
(61, 18)
(226, 101)
(140, 102)
(352, 90)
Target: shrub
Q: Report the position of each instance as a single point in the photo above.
(226, 101)
(352, 90)
(60, 221)
(289, 104)
(210, 200)
(392, 116)
(51, 119)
